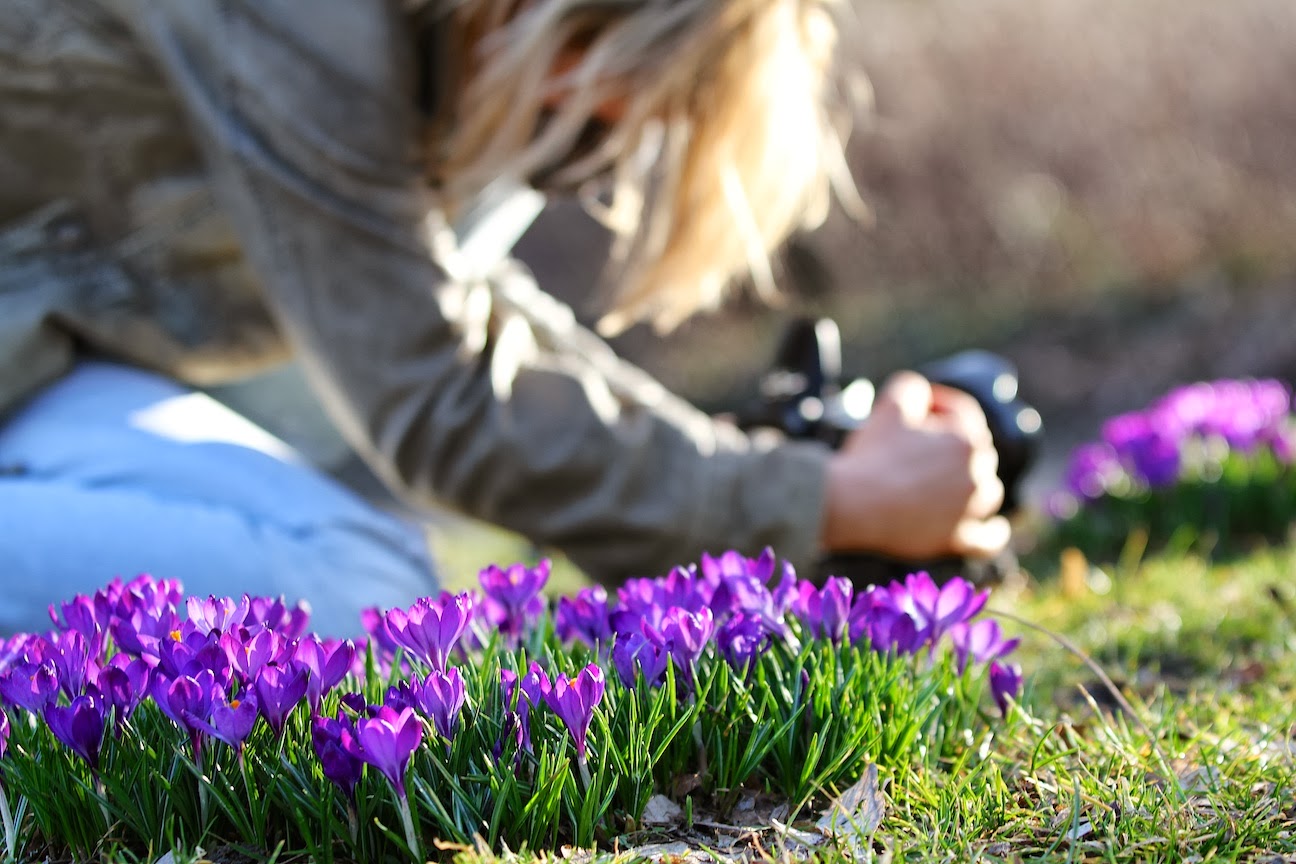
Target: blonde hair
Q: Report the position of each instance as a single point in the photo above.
(729, 140)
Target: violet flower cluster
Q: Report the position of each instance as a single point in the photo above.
(733, 606)
(1153, 448)
(215, 671)
(220, 668)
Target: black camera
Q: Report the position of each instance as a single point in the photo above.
(804, 396)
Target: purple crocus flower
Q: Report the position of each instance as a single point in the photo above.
(574, 701)
(981, 641)
(683, 635)
(80, 725)
(735, 565)
(440, 698)
(1148, 450)
(4, 733)
(30, 686)
(645, 601)
(187, 652)
(280, 689)
(584, 617)
(274, 614)
(399, 696)
(355, 703)
(742, 640)
(784, 595)
(336, 747)
(329, 662)
(252, 649)
(141, 631)
(741, 583)
(430, 629)
(512, 600)
(73, 662)
(374, 622)
(81, 615)
(1092, 469)
(1005, 683)
(15, 650)
(232, 720)
(387, 741)
(218, 614)
(124, 683)
(875, 617)
(187, 701)
(936, 609)
(634, 654)
(529, 692)
(825, 611)
(635, 607)
(893, 630)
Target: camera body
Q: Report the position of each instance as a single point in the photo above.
(804, 396)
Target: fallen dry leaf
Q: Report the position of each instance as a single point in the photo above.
(662, 811)
(859, 810)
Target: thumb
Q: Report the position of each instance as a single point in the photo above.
(982, 538)
(906, 398)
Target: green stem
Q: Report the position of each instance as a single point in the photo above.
(408, 819)
(584, 772)
(11, 834)
(103, 795)
(703, 762)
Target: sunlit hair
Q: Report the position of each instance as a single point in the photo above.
(730, 139)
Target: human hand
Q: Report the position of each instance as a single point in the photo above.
(918, 480)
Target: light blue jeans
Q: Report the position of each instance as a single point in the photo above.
(115, 472)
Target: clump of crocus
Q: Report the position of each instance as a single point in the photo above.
(1156, 446)
(1212, 456)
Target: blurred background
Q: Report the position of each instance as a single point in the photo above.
(1102, 190)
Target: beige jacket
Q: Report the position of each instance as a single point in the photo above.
(205, 187)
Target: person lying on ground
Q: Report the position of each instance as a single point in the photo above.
(195, 191)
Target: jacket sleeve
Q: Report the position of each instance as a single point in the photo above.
(483, 394)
